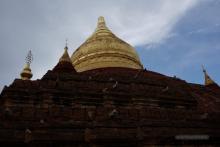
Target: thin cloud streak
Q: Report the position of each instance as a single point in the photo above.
(44, 25)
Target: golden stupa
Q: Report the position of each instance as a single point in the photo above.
(104, 49)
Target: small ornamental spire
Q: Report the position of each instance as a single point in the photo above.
(101, 29)
(208, 80)
(65, 63)
(65, 57)
(101, 22)
(101, 26)
(26, 72)
(66, 42)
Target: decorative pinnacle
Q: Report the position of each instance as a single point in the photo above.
(101, 27)
(65, 57)
(203, 69)
(66, 43)
(208, 80)
(29, 58)
(101, 22)
(26, 73)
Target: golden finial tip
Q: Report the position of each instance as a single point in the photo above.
(66, 47)
(29, 57)
(203, 69)
(26, 73)
(65, 57)
(208, 80)
(101, 19)
(101, 22)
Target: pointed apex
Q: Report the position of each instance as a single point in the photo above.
(65, 57)
(203, 69)
(208, 80)
(101, 24)
(66, 43)
(26, 73)
(65, 63)
(101, 21)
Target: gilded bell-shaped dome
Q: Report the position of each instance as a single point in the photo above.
(104, 49)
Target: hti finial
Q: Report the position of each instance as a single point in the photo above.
(101, 26)
(203, 69)
(29, 58)
(101, 21)
(66, 47)
(208, 80)
(66, 42)
(26, 73)
(65, 57)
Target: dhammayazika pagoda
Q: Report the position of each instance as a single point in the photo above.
(102, 96)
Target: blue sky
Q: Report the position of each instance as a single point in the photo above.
(194, 41)
(172, 37)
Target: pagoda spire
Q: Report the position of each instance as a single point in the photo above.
(101, 22)
(65, 63)
(26, 73)
(208, 80)
(101, 26)
(65, 57)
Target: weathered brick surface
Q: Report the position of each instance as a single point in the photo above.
(112, 106)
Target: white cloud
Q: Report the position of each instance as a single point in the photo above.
(152, 24)
(140, 22)
(44, 25)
